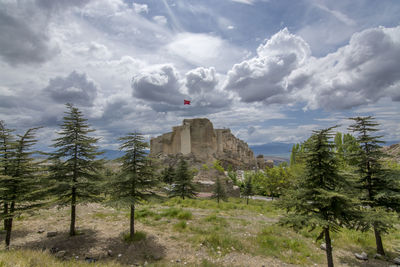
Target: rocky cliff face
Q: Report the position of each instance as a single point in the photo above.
(197, 138)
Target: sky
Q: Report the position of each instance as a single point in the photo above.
(270, 70)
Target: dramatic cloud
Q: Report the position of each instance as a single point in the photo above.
(362, 72)
(264, 77)
(160, 84)
(76, 88)
(24, 27)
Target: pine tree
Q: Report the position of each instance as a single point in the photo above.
(319, 199)
(7, 144)
(379, 190)
(137, 177)
(21, 188)
(183, 185)
(168, 174)
(248, 189)
(75, 168)
(219, 191)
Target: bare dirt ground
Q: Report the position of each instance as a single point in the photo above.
(101, 239)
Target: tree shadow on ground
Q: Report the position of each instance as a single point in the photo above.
(87, 245)
(17, 233)
(73, 245)
(352, 261)
(148, 249)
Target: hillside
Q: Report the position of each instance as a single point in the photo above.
(393, 151)
(175, 232)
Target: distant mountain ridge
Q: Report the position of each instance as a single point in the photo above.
(273, 149)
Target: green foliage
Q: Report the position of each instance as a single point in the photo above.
(247, 191)
(74, 173)
(219, 191)
(136, 178)
(20, 182)
(379, 188)
(218, 167)
(204, 167)
(233, 176)
(320, 198)
(183, 186)
(278, 179)
(168, 174)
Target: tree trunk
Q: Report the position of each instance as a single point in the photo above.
(9, 222)
(378, 240)
(132, 224)
(328, 247)
(247, 200)
(5, 215)
(73, 212)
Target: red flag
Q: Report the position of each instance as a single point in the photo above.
(186, 102)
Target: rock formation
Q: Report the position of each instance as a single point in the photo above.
(198, 139)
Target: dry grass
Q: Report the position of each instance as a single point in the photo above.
(175, 232)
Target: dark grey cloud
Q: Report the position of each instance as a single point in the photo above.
(159, 85)
(76, 88)
(23, 42)
(24, 28)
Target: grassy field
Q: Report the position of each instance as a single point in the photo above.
(175, 232)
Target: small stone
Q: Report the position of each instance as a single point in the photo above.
(54, 250)
(178, 260)
(363, 256)
(145, 263)
(61, 254)
(185, 263)
(77, 257)
(40, 231)
(378, 256)
(119, 255)
(90, 260)
(396, 260)
(51, 234)
(109, 253)
(323, 246)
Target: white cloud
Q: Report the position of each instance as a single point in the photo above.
(204, 50)
(140, 8)
(264, 77)
(360, 73)
(161, 20)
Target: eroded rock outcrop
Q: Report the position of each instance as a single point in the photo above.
(197, 138)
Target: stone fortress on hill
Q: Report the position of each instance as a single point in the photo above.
(197, 139)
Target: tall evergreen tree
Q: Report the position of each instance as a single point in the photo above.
(7, 145)
(183, 185)
(75, 168)
(248, 189)
(319, 199)
(168, 174)
(379, 191)
(219, 191)
(21, 188)
(136, 178)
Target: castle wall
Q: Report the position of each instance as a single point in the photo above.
(198, 137)
(186, 144)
